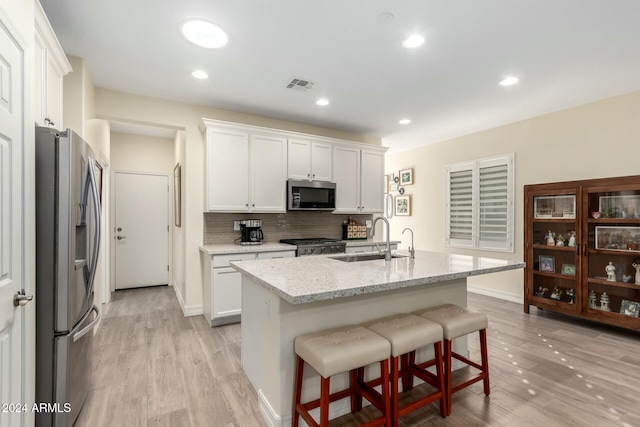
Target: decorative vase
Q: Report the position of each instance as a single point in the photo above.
(611, 272)
(592, 299)
(604, 302)
(636, 265)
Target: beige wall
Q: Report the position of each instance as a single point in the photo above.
(596, 140)
(178, 250)
(111, 105)
(142, 153)
(78, 96)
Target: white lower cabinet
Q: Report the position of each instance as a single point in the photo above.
(222, 302)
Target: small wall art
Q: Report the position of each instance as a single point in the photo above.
(403, 206)
(406, 176)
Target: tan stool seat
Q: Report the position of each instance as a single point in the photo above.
(406, 332)
(456, 321)
(333, 351)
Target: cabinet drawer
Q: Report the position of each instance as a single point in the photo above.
(224, 260)
(278, 254)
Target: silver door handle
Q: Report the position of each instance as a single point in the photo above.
(91, 185)
(83, 331)
(121, 237)
(20, 299)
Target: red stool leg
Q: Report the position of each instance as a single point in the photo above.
(353, 380)
(437, 351)
(324, 401)
(447, 373)
(386, 395)
(394, 392)
(297, 391)
(485, 360)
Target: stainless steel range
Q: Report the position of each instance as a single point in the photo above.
(318, 246)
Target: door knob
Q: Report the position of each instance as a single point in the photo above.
(119, 228)
(121, 237)
(20, 299)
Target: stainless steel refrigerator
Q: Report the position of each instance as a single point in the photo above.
(67, 248)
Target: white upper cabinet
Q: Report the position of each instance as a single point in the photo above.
(309, 160)
(50, 66)
(227, 171)
(346, 174)
(359, 175)
(371, 181)
(245, 172)
(268, 173)
(247, 168)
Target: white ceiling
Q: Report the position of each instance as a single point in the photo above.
(566, 53)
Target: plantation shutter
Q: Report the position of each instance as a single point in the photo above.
(493, 205)
(460, 206)
(480, 204)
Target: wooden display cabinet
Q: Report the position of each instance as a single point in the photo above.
(598, 225)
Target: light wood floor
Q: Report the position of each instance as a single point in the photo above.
(153, 367)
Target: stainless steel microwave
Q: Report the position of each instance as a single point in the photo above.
(311, 195)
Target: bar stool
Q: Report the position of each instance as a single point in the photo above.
(337, 350)
(406, 333)
(456, 322)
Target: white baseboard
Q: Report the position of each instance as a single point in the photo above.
(496, 294)
(187, 311)
(336, 409)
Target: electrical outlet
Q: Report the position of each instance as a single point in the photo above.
(236, 225)
(369, 223)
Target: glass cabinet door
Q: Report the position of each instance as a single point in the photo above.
(553, 239)
(612, 267)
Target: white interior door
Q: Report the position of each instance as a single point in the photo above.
(141, 229)
(12, 231)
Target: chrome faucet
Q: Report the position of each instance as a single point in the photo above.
(387, 254)
(412, 249)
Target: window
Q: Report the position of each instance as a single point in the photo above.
(479, 208)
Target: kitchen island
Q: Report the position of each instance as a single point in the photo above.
(284, 298)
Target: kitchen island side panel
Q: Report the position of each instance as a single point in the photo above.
(268, 336)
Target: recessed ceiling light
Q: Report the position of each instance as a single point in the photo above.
(199, 74)
(413, 41)
(509, 81)
(385, 18)
(204, 33)
(404, 121)
(322, 102)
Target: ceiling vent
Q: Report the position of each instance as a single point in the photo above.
(300, 84)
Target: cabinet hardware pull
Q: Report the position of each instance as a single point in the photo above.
(227, 272)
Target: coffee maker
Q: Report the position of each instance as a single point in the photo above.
(251, 232)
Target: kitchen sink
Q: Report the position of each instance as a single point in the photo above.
(363, 257)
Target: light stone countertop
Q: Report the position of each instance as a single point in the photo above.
(318, 278)
(369, 242)
(232, 248)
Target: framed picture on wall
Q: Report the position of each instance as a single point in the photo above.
(403, 206)
(177, 195)
(406, 176)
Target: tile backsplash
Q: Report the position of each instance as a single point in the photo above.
(218, 227)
